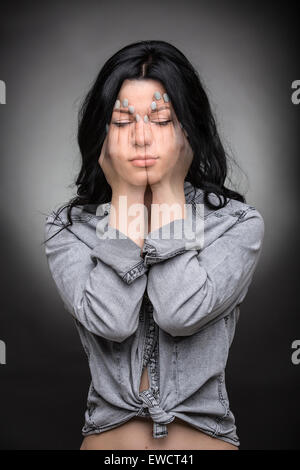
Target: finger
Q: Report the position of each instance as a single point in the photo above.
(160, 116)
(184, 130)
(177, 125)
(124, 126)
(178, 131)
(130, 127)
(139, 135)
(181, 137)
(166, 119)
(123, 123)
(150, 135)
(116, 123)
(142, 134)
(103, 152)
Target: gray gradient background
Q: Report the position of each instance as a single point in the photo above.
(49, 56)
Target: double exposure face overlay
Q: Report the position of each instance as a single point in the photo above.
(146, 142)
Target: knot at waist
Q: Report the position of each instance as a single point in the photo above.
(159, 416)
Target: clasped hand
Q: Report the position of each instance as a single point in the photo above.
(156, 132)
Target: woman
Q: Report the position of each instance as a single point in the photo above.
(156, 315)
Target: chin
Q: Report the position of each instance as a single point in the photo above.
(139, 179)
(154, 178)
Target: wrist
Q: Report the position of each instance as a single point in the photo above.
(128, 215)
(167, 205)
(168, 194)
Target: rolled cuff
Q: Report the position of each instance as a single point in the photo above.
(171, 240)
(121, 253)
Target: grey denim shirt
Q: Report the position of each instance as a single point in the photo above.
(172, 306)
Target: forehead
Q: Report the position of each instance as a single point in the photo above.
(140, 92)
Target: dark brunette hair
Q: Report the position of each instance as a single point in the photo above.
(160, 61)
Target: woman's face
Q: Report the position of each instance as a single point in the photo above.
(144, 125)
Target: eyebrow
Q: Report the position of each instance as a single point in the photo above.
(159, 108)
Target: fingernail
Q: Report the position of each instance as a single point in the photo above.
(153, 105)
(166, 98)
(137, 117)
(157, 95)
(131, 109)
(125, 103)
(146, 119)
(117, 104)
(106, 128)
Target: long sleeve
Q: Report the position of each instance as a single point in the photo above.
(102, 287)
(191, 288)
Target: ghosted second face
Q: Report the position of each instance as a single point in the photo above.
(145, 136)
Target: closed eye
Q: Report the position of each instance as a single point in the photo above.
(162, 123)
(122, 124)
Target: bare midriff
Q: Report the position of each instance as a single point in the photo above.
(136, 434)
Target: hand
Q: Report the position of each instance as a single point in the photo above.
(176, 156)
(114, 163)
(115, 167)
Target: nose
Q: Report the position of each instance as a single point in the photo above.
(142, 132)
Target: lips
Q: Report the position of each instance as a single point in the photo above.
(144, 157)
(145, 161)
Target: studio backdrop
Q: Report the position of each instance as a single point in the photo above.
(248, 60)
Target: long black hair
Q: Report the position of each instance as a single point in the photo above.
(160, 61)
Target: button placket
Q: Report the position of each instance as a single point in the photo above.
(150, 359)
